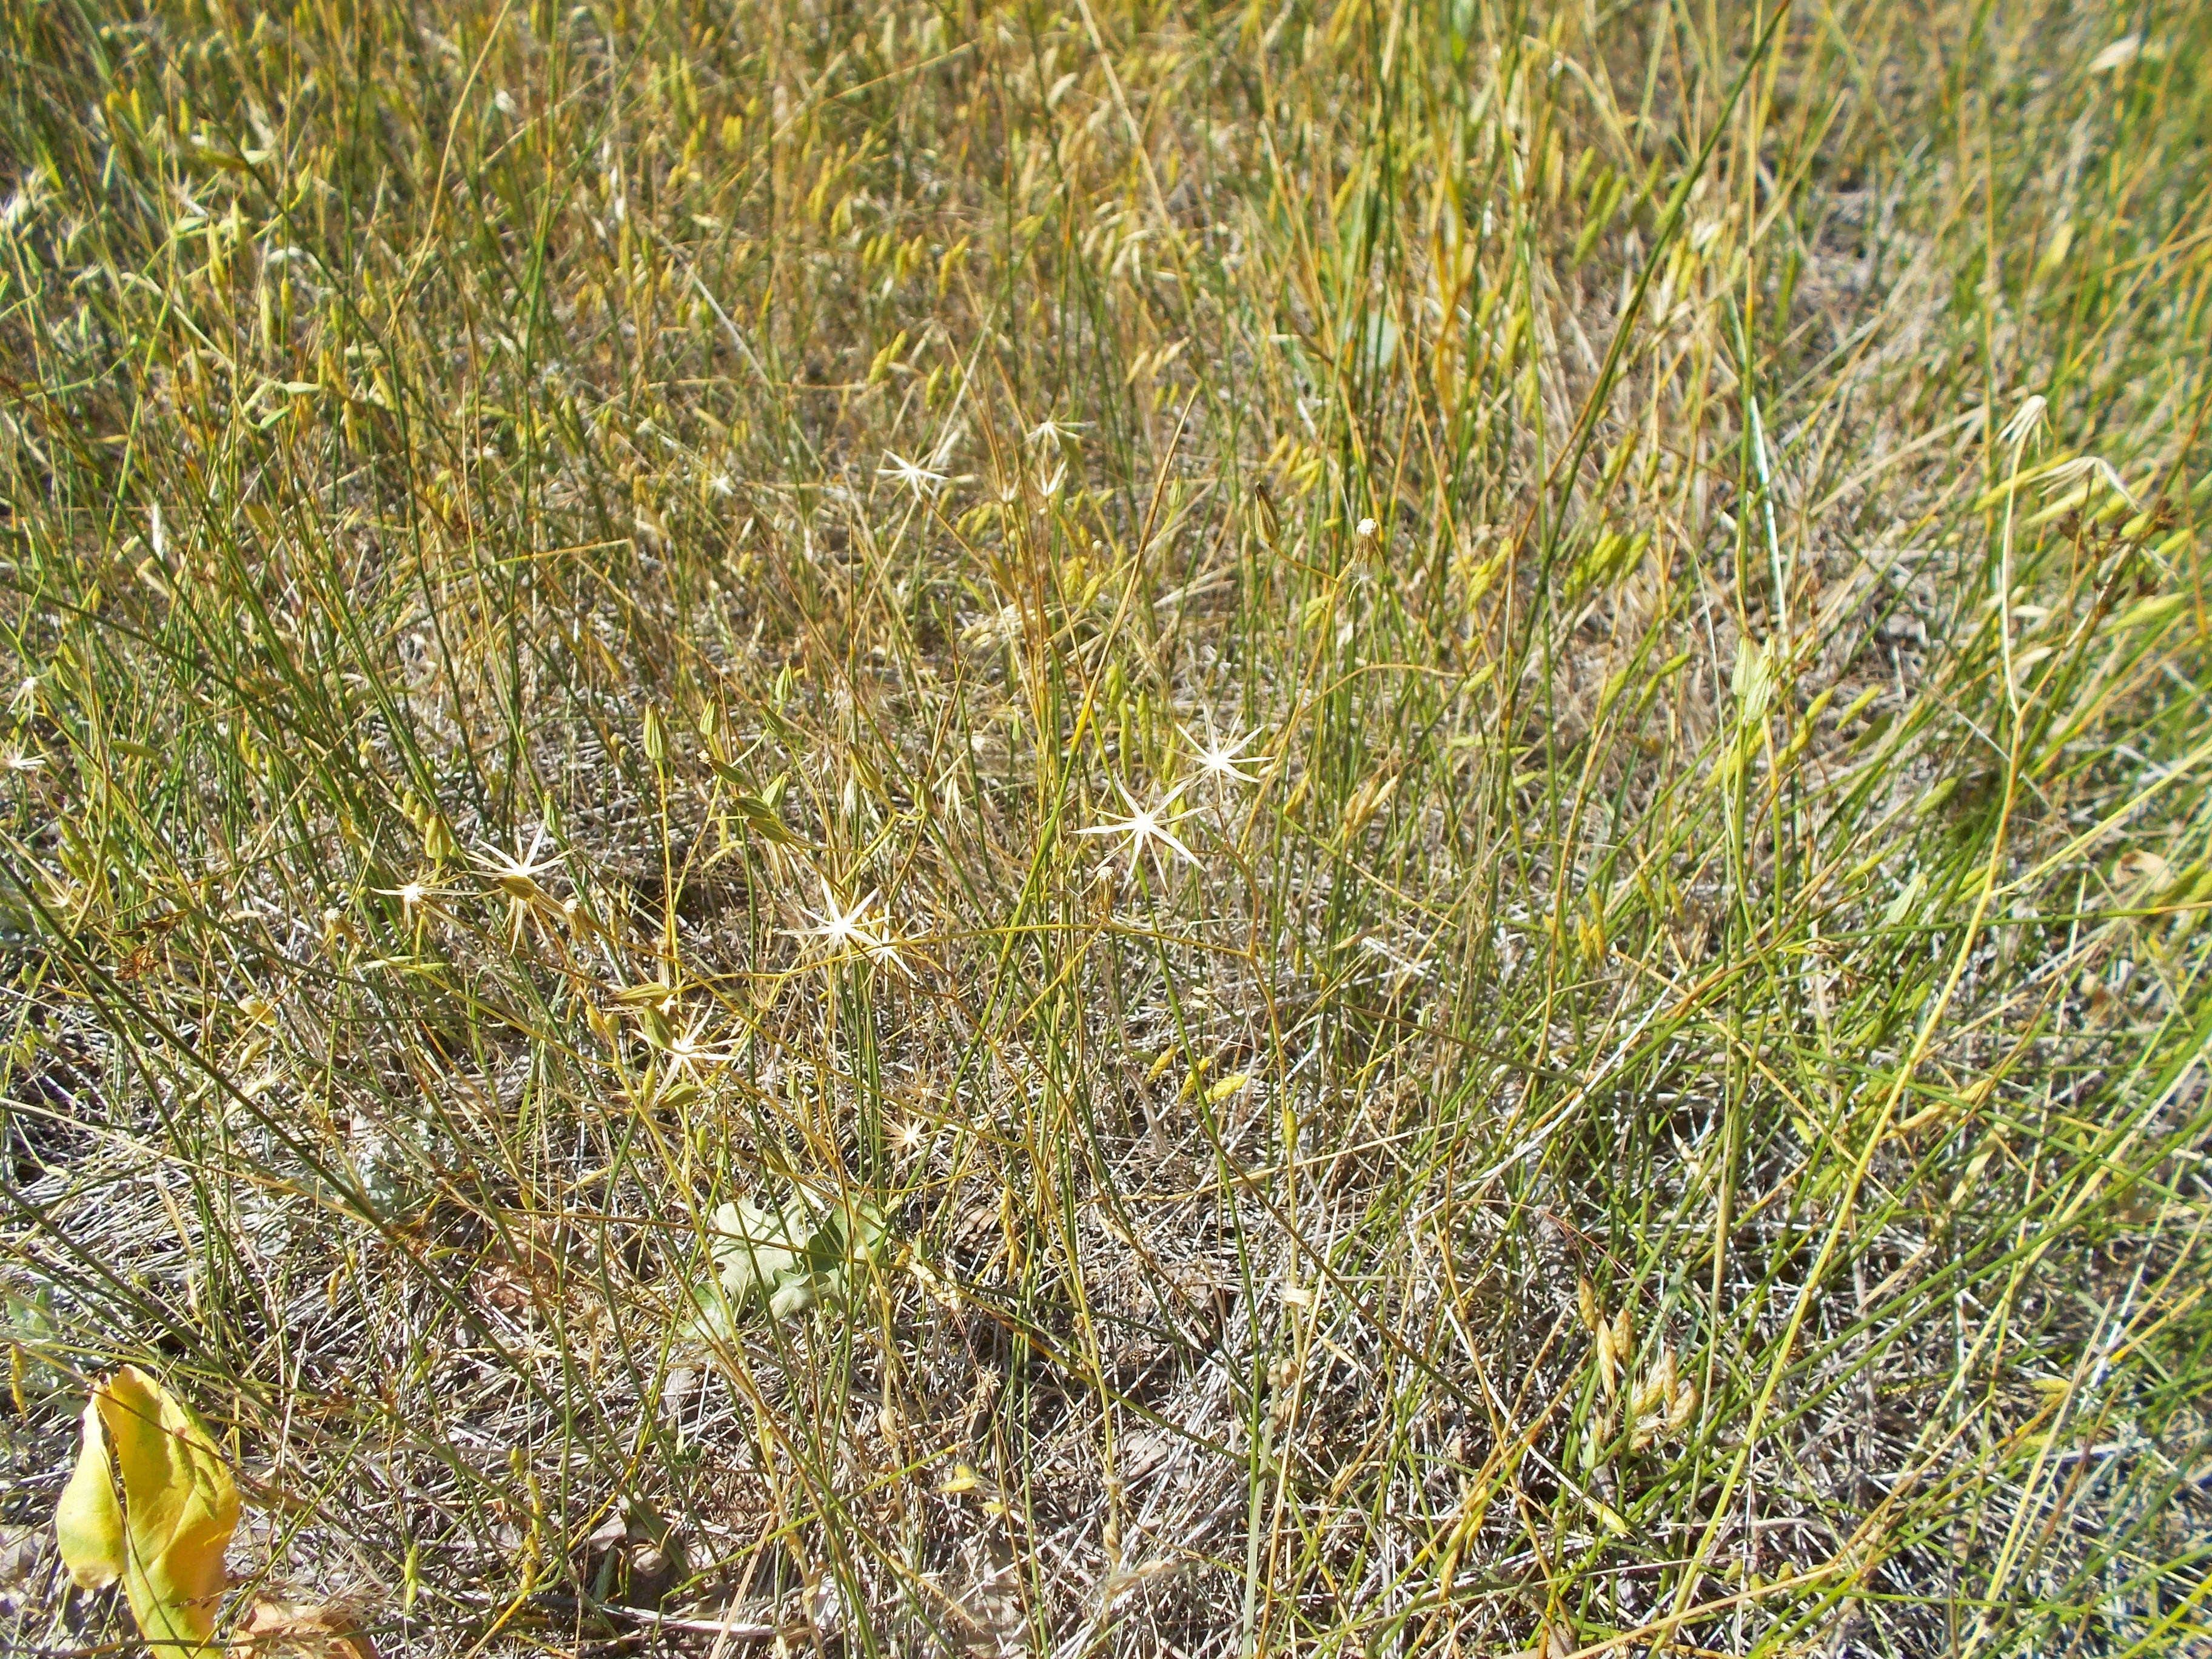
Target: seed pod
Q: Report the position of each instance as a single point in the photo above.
(1682, 1406)
(1586, 1300)
(1655, 1391)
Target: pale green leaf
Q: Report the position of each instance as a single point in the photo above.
(89, 1521)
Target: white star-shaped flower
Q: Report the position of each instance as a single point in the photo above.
(1219, 758)
(883, 951)
(687, 1053)
(517, 872)
(838, 928)
(517, 875)
(912, 474)
(1146, 828)
(843, 931)
(411, 895)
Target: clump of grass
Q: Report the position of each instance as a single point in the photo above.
(580, 583)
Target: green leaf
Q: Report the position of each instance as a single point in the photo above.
(786, 1259)
(755, 1248)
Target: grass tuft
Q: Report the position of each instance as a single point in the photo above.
(1141, 830)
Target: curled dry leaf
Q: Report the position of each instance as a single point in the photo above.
(276, 1628)
(22, 1553)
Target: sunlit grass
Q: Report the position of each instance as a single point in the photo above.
(1121, 831)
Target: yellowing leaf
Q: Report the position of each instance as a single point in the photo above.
(89, 1521)
(166, 1536)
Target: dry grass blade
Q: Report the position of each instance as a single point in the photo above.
(1286, 829)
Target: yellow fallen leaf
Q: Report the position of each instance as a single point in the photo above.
(165, 1534)
(89, 1521)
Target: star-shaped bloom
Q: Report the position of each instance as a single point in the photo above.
(1146, 828)
(843, 931)
(687, 1053)
(517, 872)
(412, 894)
(914, 475)
(517, 875)
(838, 928)
(1219, 758)
(1050, 431)
(883, 951)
